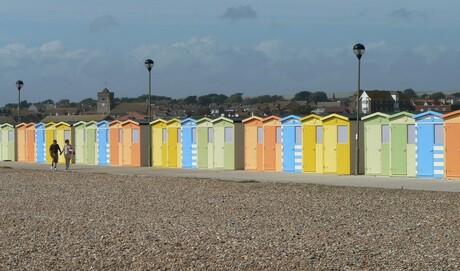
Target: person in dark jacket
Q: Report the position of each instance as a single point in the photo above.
(54, 153)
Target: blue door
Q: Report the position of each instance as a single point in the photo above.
(40, 143)
(425, 142)
(102, 137)
(186, 147)
(289, 148)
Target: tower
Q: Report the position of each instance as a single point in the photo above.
(104, 101)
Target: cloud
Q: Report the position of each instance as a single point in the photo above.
(102, 23)
(404, 14)
(238, 13)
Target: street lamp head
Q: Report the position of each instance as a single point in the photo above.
(19, 84)
(149, 64)
(359, 49)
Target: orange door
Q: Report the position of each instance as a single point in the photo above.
(126, 147)
(270, 148)
(136, 147)
(30, 143)
(114, 146)
(250, 147)
(260, 148)
(452, 150)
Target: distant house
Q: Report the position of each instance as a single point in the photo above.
(124, 108)
(384, 101)
(71, 119)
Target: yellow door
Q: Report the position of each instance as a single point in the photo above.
(157, 149)
(330, 149)
(49, 140)
(309, 148)
(172, 147)
(343, 149)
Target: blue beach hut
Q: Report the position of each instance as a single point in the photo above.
(292, 143)
(189, 144)
(40, 142)
(429, 145)
(102, 143)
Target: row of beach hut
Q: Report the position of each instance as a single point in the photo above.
(402, 144)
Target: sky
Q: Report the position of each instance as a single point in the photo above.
(71, 49)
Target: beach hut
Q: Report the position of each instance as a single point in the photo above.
(115, 135)
(253, 143)
(376, 144)
(79, 142)
(189, 143)
(292, 143)
(85, 142)
(40, 143)
(103, 143)
(159, 143)
(174, 146)
(228, 143)
(312, 144)
(134, 143)
(452, 145)
(272, 144)
(205, 145)
(26, 142)
(402, 144)
(7, 142)
(50, 135)
(339, 150)
(429, 144)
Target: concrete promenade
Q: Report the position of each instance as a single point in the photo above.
(240, 175)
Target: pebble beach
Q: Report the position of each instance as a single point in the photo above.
(68, 220)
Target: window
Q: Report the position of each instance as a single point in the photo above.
(10, 135)
(342, 134)
(260, 134)
(319, 134)
(298, 135)
(385, 134)
(179, 135)
(193, 135)
(85, 132)
(210, 135)
(438, 134)
(120, 135)
(411, 134)
(278, 134)
(135, 134)
(228, 134)
(67, 134)
(165, 135)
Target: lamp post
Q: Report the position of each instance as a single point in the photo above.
(19, 85)
(149, 65)
(358, 49)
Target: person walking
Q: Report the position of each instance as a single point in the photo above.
(68, 153)
(54, 150)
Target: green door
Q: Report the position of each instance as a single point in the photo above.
(202, 148)
(229, 148)
(373, 149)
(219, 147)
(398, 149)
(90, 146)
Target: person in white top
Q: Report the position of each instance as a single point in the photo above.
(68, 153)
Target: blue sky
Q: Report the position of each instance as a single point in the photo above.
(73, 49)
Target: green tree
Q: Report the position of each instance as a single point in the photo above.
(410, 92)
(302, 96)
(456, 94)
(236, 98)
(319, 96)
(190, 100)
(437, 96)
